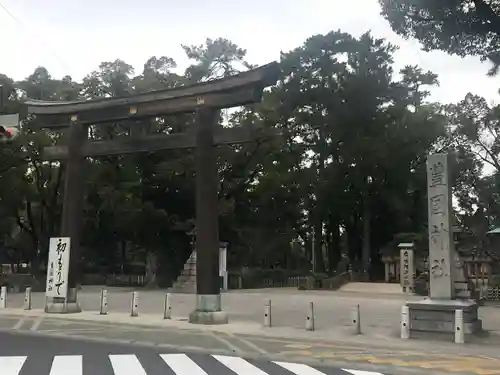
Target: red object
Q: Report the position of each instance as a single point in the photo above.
(7, 132)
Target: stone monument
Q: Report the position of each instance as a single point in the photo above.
(437, 313)
(407, 267)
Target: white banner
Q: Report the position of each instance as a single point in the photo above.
(9, 121)
(222, 261)
(58, 267)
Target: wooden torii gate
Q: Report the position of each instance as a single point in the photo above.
(203, 99)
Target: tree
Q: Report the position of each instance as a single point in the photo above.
(215, 59)
(475, 140)
(351, 152)
(34, 186)
(459, 27)
(343, 121)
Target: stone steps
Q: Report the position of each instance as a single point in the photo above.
(186, 281)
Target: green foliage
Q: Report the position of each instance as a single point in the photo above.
(349, 165)
(460, 27)
(418, 239)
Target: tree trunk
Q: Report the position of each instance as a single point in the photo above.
(333, 245)
(353, 242)
(319, 208)
(151, 269)
(318, 248)
(123, 246)
(41, 256)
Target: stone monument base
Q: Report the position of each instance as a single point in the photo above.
(438, 316)
(208, 310)
(60, 306)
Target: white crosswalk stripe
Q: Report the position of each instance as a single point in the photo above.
(299, 368)
(180, 364)
(66, 364)
(126, 364)
(11, 365)
(239, 365)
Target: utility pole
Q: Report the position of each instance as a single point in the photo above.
(366, 251)
(313, 251)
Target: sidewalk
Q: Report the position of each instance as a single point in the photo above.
(333, 340)
(483, 345)
(380, 310)
(249, 338)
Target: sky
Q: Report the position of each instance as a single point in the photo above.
(71, 37)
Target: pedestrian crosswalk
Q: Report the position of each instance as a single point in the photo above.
(171, 364)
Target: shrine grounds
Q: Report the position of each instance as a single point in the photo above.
(380, 307)
(334, 341)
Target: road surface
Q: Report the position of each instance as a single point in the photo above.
(38, 355)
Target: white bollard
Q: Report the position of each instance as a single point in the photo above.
(310, 317)
(405, 322)
(167, 310)
(27, 299)
(225, 282)
(356, 320)
(267, 314)
(104, 302)
(3, 297)
(135, 304)
(459, 327)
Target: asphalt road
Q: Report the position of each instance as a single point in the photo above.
(22, 354)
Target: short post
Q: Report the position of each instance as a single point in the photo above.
(167, 310)
(459, 327)
(356, 320)
(405, 322)
(104, 302)
(225, 282)
(267, 314)
(310, 317)
(135, 304)
(27, 299)
(3, 297)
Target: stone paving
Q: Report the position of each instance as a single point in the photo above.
(380, 308)
(334, 340)
(393, 356)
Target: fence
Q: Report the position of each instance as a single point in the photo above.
(304, 282)
(113, 280)
(478, 272)
(250, 279)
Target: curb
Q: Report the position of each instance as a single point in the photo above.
(394, 345)
(169, 348)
